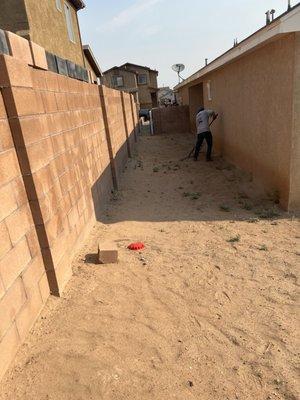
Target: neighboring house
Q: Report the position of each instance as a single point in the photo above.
(92, 66)
(53, 24)
(134, 79)
(121, 79)
(165, 96)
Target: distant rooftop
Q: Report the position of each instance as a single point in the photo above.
(126, 67)
(92, 60)
(138, 66)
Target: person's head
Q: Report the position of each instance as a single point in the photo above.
(200, 109)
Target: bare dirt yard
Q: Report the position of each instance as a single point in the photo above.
(207, 311)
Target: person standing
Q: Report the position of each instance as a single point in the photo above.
(203, 119)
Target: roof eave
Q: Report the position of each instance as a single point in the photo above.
(92, 60)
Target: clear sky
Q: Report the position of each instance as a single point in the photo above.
(160, 33)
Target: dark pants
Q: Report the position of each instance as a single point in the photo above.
(209, 140)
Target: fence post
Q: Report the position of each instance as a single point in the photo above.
(108, 138)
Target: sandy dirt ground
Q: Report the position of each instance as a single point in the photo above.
(207, 311)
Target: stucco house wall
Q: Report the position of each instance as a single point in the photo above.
(90, 70)
(13, 16)
(44, 24)
(129, 79)
(294, 197)
(144, 90)
(55, 38)
(254, 97)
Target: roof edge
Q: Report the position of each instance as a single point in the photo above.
(92, 59)
(118, 68)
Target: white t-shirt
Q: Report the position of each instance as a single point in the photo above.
(202, 121)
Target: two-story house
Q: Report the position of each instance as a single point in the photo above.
(53, 24)
(136, 79)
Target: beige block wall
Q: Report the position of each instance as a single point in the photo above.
(23, 283)
(54, 38)
(294, 200)
(171, 120)
(253, 96)
(57, 169)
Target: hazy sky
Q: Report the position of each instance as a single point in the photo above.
(160, 33)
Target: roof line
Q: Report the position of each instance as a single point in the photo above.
(139, 66)
(92, 59)
(119, 68)
(209, 68)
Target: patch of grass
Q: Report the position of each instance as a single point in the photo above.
(191, 195)
(263, 247)
(268, 214)
(274, 196)
(253, 220)
(225, 208)
(234, 239)
(247, 206)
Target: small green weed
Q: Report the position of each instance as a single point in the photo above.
(225, 208)
(234, 239)
(263, 247)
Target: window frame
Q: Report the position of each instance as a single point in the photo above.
(59, 5)
(115, 81)
(69, 22)
(146, 79)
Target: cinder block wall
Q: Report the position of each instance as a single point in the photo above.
(116, 127)
(63, 144)
(170, 120)
(23, 283)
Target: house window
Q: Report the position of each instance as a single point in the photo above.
(117, 81)
(59, 5)
(68, 13)
(142, 79)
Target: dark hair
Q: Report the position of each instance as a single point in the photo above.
(200, 109)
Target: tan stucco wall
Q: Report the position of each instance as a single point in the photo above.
(144, 93)
(196, 93)
(253, 96)
(129, 79)
(153, 79)
(89, 68)
(294, 200)
(13, 16)
(48, 28)
(130, 83)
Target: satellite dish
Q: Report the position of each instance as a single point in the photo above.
(178, 68)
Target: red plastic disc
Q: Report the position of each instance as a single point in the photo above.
(136, 246)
